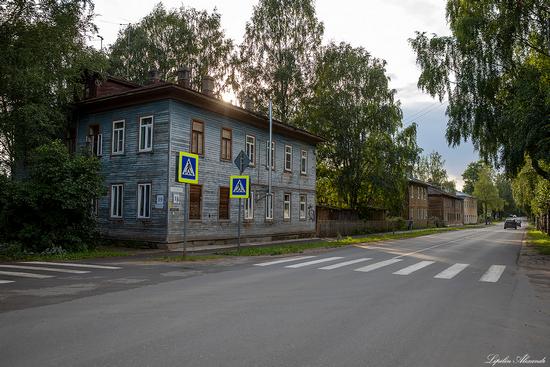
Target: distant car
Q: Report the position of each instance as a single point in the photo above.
(511, 223)
(518, 221)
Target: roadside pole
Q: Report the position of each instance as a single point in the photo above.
(239, 188)
(239, 228)
(188, 172)
(185, 220)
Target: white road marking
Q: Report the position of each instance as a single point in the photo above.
(451, 271)
(410, 269)
(40, 268)
(73, 265)
(25, 275)
(345, 263)
(284, 260)
(493, 274)
(378, 265)
(5, 281)
(307, 263)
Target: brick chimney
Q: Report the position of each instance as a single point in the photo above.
(184, 77)
(248, 103)
(207, 86)
(154, 76)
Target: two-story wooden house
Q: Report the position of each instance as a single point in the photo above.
(416, 208)
(138, 131)
(445, 206)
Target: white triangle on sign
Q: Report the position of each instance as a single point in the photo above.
(188, 169)
(239, 189)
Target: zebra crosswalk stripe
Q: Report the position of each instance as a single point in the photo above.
(493, 274)
(451, 271)
(25, 275)
(91, 266)
(40, 268)
(286, 260)
(410, 269)
(5, 281)
(345, 263)
(378, 265)
(313, 262)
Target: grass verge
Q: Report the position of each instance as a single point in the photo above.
(539, 240)
(181, 258)
(301, 247)
(70, 256)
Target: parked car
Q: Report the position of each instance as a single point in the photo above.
(511, 223)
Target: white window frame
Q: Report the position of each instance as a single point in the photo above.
(288, 154)
(272, 154)
(249, 206)
(117, 198)
(252, 152)
(269, 207)
(117, 132)
(148, 128)
(144, 211)
(285, 203)
(303, 206)
(303, 162)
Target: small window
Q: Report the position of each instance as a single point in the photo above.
(95, 207)
(146, 134)
(411, 191)
(195, 201)
(286, 207)
(223, 207)
(288, 158)
(144, 201)
(272, 154)
(249, 207)
(303, 204)
(197, 138)
(303, 162)
(118, 137)
(251, 149)
(226, 144)
(117, 195)
(269, 206)
(95, 139)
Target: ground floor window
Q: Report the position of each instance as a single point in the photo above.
(286, 206)
(303, 205)
(249, 206)
(224, 203)
(117, 194)
(269, 206)
(144, 200)
(195, 201)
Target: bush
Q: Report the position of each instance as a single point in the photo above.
(52, 206)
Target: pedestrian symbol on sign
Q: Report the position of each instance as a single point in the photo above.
(188, 168)
(240, 186)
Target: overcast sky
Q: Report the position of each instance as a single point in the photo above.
(380, 26)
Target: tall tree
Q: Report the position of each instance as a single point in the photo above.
(169, 39)
(42, 55)
(431, 169)
(495, 71)
(470, 176)
(504, 186)
(530, 191)
(486, 192)
(278, 54)
(352, 106)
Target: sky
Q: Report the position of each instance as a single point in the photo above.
(382, 27)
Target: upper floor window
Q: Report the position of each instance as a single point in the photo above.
(251, 149)
(197, 138)
(272, 154)
(226, 144)
(118, 137)
(95, 139)
(144, 200)
(117, 195)
(146, 134)
(303, 162)
(288, 158)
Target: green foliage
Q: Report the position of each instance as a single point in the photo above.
(277, 55)
(486, 192)
(540, 240)
(470, 176)
(431, 169)
(495, 72)
(504, 186)
(530, 191)
(368, 156)
(42, 55)
(169, 39)
(53, 206)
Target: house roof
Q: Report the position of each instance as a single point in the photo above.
(433, 190)
(163, 90)
(464, 195)
(417, 181)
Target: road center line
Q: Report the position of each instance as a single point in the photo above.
(410, 269)
(493, 274)
(40, 268)
(307, 263)
(286, 260)
(345, 263)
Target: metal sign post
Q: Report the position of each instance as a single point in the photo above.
(240, 188)
(188, 172)
(185, 216)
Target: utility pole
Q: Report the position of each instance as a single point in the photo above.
(101, 45)
(270, 159)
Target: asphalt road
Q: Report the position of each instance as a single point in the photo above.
(450, 299)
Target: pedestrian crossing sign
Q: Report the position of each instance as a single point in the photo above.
(240, 187)
(188, 168)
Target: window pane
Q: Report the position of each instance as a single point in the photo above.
(195, 197)
(224, 203)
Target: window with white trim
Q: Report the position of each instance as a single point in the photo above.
(144, 201)
(269, 206)
(117, 196)
(303, 162)
(146, 134)
(118, 137)
(286, 206)
(272, 154)
(288, 158)
(249, 206)
(303, 205)
(251, 149)
(96, 141)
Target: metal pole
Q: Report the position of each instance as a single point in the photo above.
(184, 220)
(270, 155)
(239, 228)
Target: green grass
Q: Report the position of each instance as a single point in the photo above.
(181, 258)
(540, 240)
(301, 247)
(70, 256)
